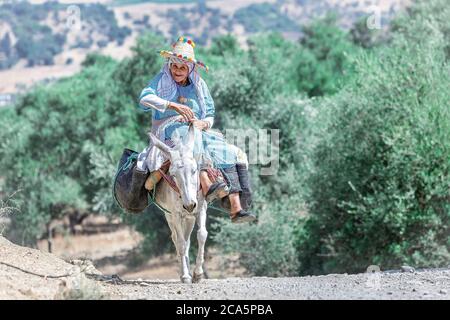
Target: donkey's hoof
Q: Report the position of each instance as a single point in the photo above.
(187, 280)
(198, 277)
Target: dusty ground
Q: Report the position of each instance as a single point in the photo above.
(16, 284)
(149, 283)
(419, 285)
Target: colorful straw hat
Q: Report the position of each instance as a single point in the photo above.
(184, 49)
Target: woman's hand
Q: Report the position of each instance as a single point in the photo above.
(183, 110)
(200, 124)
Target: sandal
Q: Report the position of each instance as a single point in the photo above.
(217, 190)
(243, 216)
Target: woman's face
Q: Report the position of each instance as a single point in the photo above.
(179, 72)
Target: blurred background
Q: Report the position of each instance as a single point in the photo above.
(359, 91)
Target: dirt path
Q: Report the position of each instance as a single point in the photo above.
(23, 271)
(433, 284)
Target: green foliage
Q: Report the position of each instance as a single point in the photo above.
(363, 36)
(49, 144)
(378, 191)
(256, 90)
(134, 74)
(324, 58)
(266, 248)
(224, 45)
(96, 59)
(244, 81)
(422, 18)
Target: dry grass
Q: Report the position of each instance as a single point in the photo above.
(80, 288)
(7, 207)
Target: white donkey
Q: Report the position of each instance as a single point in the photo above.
(187, 206)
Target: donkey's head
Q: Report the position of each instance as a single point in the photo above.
(183, 167)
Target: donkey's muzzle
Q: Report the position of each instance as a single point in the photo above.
(190, 207)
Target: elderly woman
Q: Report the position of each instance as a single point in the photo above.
(177, 96)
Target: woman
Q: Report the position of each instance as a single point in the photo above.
(176, 97)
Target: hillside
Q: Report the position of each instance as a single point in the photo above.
(111, 27)
(27, 273)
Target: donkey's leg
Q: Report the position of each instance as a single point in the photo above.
(173, 232)
(169, 200)
(178, 243)
(184, 266)
(182, 245)
(202, 234)
(188, 226)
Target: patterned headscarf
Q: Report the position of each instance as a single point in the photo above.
(167, 87)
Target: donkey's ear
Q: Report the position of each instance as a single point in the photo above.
(159, 144)
(190, 137)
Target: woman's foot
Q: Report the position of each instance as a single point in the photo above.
(152, 180)
(217, 190)
(242, 216)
